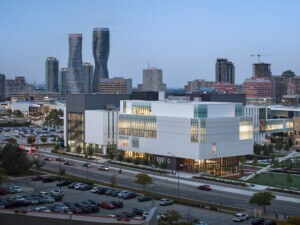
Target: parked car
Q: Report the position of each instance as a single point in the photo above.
(144, 198)
(138, 212)
(118, 204)
(48, 180)
(85, 187)
(239, 217)
(64, 183)
(95, 202)
(72, 186)
(17, 189)
(107, 205)
(95, 189)
(270, 222)
(128, 214)
(204, 187)
(160, 215)
(68, 163)
(114, 193)
(60, 159)
(43, 194)
(48, 159)
(37, 178)
(165, 202)
(87, 165)
(3, 191)
(201, 223)
(42, 209)
(102, 190)
(122, 193)
(57, 192)
(103, 167)
(258, 221)
(50, 199)
(129, 195)
(77, 186)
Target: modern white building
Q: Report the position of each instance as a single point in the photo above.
(191, 136)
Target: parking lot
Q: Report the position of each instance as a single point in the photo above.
(77, 196)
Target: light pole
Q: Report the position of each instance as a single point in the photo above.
(153, 198)
(178, 182)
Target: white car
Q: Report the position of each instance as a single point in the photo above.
(17, 189)
(104, 168)
(145, 214)
(122, 193)
(57, 192)
(43, 194)
(160, 215)
(50, 199)
(42, 209)
(95, 189)
(165, 202)
(77, 186)
(239, 217)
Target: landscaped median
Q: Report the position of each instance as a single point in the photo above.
(158, 196)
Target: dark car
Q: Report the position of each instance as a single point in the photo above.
(68, 163)
(87, 165)
(37, 178)
(144, 198)
(72, 186)
(48, 180)
(48, 159)
(128, 214)
(118, 204)
(94, 208)
(269, 222)
(57, 198)
(102, 190)
(3, 191)
(138, 212)
(130, 195)
(64, 183)
(205, 187)
(83, 208)
(258, 221)
(85, 187)
(95, 202)
(114, 193)
(60, 159)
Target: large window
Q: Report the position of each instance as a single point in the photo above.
(75, 130)
(202, 131)
(194, 130)
(137, 126)
(123, 141)
(239, 110)
(200, 111)
(246, 129)
(141, 108)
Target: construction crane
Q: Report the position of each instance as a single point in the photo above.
(260, 55)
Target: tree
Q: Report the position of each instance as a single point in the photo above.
(164, 165)
(262, 199)
(145, 159)
(289, 180)
(293, 220)
(111, 155)
(137, 161)
(170, 217)
(18, 113)
(242, 162)
(38, 164)
(270, 148)
(90, 151)
(120, 155)
(128, 160)
(31, 139)
(286, 147)
(113, 181)
(254, 162)
(57, 147)
(43, 139)
(12, 140)
(78, 150)
(3, 176)
(257, 149)
(14, 160)
(143, 179)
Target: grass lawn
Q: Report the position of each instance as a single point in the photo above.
(277, 180)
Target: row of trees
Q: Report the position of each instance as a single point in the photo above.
(54, 118)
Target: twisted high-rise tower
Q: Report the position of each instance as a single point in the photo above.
(75, 79)
(101, 53)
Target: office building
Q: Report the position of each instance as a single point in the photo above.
(257, 88)
(225, 71)
(63, 83)
(16, 85)
(117, 85)
(51, 74)
(75, 79)
(189, 136)
(195, 85)
(2, 87)
(224, 87)
(153, 80)
(101, 41)
(262, 70)
(88, 77)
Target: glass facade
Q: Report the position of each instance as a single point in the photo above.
(101, 52)
(239, 110)
(52, 66)
(200, 111)
(137, 126)
(246, 128)
(123, 141)
(75, 130)
(141, 108)
(194, 130)
(202, 131)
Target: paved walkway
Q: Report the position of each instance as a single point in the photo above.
(265, 169)
(191, 182)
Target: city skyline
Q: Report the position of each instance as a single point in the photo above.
(182, 39)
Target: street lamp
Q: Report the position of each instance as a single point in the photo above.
(178, 183)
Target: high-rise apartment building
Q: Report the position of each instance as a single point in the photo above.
(195, 85)
(2, 87)
(225, 71)
(51, 74)
(153, 80)
(62, 82)
(17, 85)
(101, 52)
(117, 85)
(258, 88)
(75, 79)
(88, 77)
(262, 70)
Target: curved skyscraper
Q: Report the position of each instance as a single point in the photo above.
(101, 53)
(75, 79)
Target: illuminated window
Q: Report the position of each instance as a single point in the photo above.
(194, 130)
(123, 141)
(202, 131)
(214, 149)
(246, 129)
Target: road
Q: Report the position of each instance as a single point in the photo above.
(167, 185)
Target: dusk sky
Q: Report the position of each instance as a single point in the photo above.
(183, 38)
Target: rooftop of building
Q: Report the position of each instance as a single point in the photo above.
(99, 29)
(176, 101)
